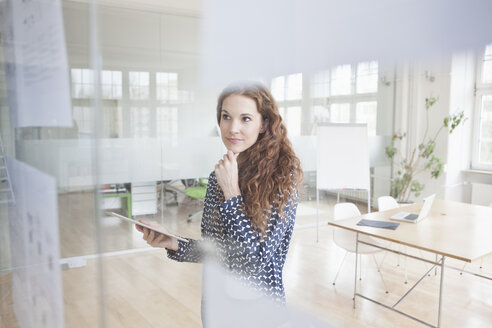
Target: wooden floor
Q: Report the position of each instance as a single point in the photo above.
(145, 289)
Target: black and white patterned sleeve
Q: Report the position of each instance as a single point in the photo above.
(187, 252)
(254, 252)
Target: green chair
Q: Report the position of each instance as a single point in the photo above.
(197, 192)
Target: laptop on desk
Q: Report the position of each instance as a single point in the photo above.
(412, 217)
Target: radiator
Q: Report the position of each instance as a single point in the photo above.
(481, 194)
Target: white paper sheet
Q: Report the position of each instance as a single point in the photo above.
(36, 63)
(36, 276)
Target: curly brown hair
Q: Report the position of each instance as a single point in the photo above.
(269, 171)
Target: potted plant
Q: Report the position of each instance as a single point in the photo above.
(421, 159)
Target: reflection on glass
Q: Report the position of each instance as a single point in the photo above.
(340, 80)
(367, 77)
(139, 85)
(340, 112)
(366, 112)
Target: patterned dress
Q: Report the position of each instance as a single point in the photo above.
(256, 261)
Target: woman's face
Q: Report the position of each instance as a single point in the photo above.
(240, 123)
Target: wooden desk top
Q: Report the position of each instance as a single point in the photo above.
(458, 230)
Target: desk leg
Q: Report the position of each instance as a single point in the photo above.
(356, 256)
(129, 205)
(440, 293)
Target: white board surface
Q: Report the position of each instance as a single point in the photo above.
(342, 156)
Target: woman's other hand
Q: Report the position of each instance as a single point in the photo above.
(226, 172)
(156, 239)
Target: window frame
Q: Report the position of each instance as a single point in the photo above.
(481, 89)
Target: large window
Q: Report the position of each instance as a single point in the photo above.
(167, 125)
(140, 122)
(482, 140)
(82, 83)
(346, 94)
(287, 91)
(166, 86)
(112, 84)
(139, 83)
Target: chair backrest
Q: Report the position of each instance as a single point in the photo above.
(345, 211)
(344, 238)
(387, 203)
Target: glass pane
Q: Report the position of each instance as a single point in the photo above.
(485, 152)
(487, 65)
(76, 76)
(321, 84)
(321, 114)
(281, 111)
(341, 80)
(340, 113)
(294, 121)
(486, 129)
(140, 122)
(278, 88)
(139, 85)
(367, 77)
(167, 125)
(167, 86)
(366, 112)
(294, 86)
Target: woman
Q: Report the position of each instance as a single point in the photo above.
(251, 198)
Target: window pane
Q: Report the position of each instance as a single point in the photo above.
(294, 86)
(487, 65)
(340, 80)
(140, 122)
(167, 125)
(485, 149)
(167, 86)
(82, 83)
(281, 111)
(366, 112)
(340, 113)
(321, 114)
(112, 122)
(83, 119)
(367, 77)
(139, 85)
(294, 121)
(485, 152)
(321, 84)
(278, 88)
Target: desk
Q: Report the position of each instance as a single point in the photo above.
(125, 194)
(452, 230)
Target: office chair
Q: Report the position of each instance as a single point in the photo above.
(346, 239)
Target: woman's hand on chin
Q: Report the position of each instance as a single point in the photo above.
(226, 172)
